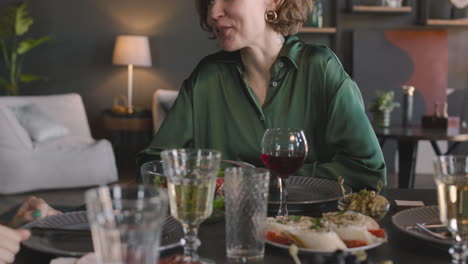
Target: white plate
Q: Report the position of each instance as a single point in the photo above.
(426, 214)
(306, 250)
(78, 245)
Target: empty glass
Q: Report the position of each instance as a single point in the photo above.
(191, 176)
(152, 173)
(246, 198)
(451, 177)
(126, 223)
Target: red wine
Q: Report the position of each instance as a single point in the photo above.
(284, 162)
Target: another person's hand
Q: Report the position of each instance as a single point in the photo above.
(10, 240)
(31, 209)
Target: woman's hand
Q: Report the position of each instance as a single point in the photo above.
(10, 240)
(31, 209)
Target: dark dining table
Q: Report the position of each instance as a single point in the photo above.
(408, 137)
(400, 247)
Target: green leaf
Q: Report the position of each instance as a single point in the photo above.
(26, 78)
(28, 44)
(218, 203)
(23, 21)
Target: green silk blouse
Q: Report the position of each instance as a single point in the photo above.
(309, 89)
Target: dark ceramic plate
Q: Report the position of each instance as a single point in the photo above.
(309, 193)
(76, 244)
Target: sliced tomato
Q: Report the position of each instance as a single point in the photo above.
(279, 238)
(378, 232)
(355, 243)
(219, 182)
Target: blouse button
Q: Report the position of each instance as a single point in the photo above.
(281, 64)
(274, 84)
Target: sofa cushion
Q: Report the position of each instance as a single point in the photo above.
(12, 134)
(39, 126)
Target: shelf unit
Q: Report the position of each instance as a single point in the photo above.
(424, 19)
(448, 22)
(332, 29)
(322, 30)
(405, 8)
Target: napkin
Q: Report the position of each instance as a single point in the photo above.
(89, 258)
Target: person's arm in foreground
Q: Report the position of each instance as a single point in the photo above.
(10, 239)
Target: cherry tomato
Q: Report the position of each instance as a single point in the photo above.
(277, 237)
(378, 232)
(354, 243)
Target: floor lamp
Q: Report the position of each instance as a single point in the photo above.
(132, 51)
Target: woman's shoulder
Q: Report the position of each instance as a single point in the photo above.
(210, 69)
(317, 54)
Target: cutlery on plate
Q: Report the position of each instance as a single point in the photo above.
(43, 231)
(426, 226)
(422, 227)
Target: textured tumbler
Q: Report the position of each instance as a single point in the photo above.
(246, 194)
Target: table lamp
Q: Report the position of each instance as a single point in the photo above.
(131, 50)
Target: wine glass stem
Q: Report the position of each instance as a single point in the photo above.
(458, 251)
(283, 209)
(191, 242)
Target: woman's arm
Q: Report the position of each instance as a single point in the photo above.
(357, 154)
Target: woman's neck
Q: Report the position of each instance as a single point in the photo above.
(258, 59)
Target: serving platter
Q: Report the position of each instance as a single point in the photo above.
(311, 251)
(75, 243)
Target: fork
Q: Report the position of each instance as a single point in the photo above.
(432, 233)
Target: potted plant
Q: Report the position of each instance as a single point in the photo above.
(14, 24)
(381, 108)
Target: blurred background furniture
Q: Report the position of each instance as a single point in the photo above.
(129, 134)
(162, 103)
(408, 139)
(69, 160)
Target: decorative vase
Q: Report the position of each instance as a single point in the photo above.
(382, 118)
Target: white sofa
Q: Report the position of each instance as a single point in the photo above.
(72, 160)
(162, 102)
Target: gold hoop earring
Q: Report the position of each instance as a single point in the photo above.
(271, 16)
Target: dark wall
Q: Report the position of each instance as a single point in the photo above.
(79, 59)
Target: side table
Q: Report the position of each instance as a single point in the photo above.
(130, 133)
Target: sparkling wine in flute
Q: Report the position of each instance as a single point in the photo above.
(453, 204)
(191, 202)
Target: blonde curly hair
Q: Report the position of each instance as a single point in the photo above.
(292, 14)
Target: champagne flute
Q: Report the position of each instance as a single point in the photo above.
(283, 153)
(191, 176)
(451, 177)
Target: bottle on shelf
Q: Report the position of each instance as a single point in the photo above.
(317, 14)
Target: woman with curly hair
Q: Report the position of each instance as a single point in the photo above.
(265, 77)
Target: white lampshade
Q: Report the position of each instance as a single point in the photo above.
(134, 50)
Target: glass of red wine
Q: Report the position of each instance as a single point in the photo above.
(283, 153)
